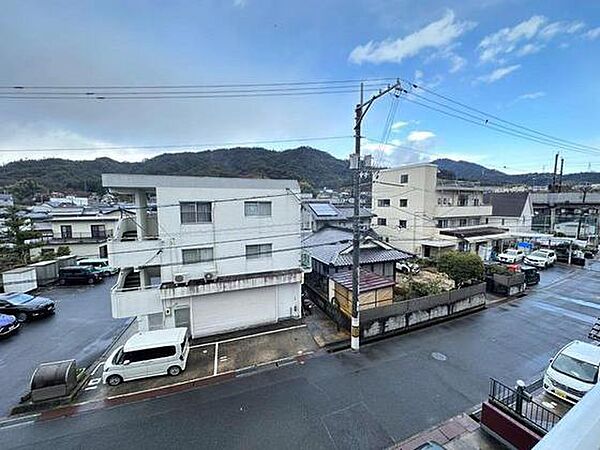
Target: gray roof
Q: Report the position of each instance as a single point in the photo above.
(338, 212)
(129, 181)
(330, 252)
(506, 204)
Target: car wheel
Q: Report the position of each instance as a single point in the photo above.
(174, 371)
(106, 274)
(62, 281)
(90, 281)
(22, 317)
(114, 380)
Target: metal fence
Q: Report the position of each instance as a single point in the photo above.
(519, 403)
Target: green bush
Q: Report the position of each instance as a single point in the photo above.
(63, 250)
(421, 289)
(462, 267)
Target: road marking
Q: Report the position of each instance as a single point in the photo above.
(96, 369)
(264, 333)
(216, 361)
(90, 388)
(94, 382)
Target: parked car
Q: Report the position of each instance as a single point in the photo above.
(511, 256)
(25, 306)
(532, 276)
(407, 267)
(78, 275)
(100, 265)
(573, 371)
(541, 258)
(148, 354)
(9, 325)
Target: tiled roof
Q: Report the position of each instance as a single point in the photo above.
(507, 204)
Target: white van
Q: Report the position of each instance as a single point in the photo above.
(573, 371)
(147, 354)
(100, 265)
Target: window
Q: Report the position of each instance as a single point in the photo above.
(403, 203)
(66, 231)
(260, 209)
(462, 222)
(502, 221)
(404, 178)
(197, 255)
(150, 353)
(487, 220)
(442, 223)
(574, 368)
(439, 201)
(383, 203)
(381, 221)
(475, 202)
(402, 224)
(98, 231)
(196, 212)
(259, 251)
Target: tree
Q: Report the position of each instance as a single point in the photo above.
(24, 190)
(19, 234)
(462, 267)
(63, 250)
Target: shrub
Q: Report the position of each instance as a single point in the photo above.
(63, 250)
(462, 267)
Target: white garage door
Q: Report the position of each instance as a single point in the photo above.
(218, 313)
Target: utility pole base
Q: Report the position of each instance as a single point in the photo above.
(355, 334)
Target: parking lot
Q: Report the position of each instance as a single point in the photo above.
(81, 329)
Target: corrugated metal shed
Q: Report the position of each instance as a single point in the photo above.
(369, 281)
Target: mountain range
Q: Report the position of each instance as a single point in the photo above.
(313, 168)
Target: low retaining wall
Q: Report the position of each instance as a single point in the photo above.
(416, 312)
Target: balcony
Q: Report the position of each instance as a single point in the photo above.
(457, 185)
(129, 249)
(463, 211)
(78, 238)
(130, 299)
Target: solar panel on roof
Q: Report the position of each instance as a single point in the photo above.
(323, 209)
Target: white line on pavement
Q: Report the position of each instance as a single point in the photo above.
(96, 369)
(250, 336)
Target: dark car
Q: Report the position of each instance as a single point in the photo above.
(532, 275)
(25, 307)
(8, 325)
(78, 275)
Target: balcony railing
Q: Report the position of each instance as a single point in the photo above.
(128, 229)
(129, 299)
(78, 237)
(463, 211)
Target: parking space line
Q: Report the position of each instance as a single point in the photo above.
(96, 369)
(216, 361)
(264, 333)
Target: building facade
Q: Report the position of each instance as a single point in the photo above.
(424, 215)
(512, 210)
(220, 254)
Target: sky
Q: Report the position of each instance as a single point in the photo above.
(535, 63)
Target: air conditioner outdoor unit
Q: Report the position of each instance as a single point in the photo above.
(180, 278)
(210, 276)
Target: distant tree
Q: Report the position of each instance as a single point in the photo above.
(63, 250)
(24, 190)
(462, 267)
(19, 234)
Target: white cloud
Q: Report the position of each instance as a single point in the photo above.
(592, 34)
(398, 125)
(420, 136)
(531, 95)
(525, 38)
(498, 74)
(437, 35)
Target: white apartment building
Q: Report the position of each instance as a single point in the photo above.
(220, 254)
(419, 213)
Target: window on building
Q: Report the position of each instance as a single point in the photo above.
(487, 220)
(197, 255)
(196, 212)
(475, 202)
(384, 202)
(98, 231)
(66, 231)
(381, 221)
(259, 251)
(439, 201)
(463, 222)
(402, 224)
(404, 178)
(403, 202)
(476, 221)
(257, 209)
(442, 223)
(503, 222)
(463, 200)
(445, 201)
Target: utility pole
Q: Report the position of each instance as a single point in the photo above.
(562, 165)
(355, 163)
(553, 186)
(585, 191)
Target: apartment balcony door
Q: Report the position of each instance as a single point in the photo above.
(98, 231)
(66, 231)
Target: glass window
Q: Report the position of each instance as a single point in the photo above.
(260, 209)
(402, 223)
(574, 368)
(403, 203)
(384, 202)
(404, 178)
(259, 251)
(196, 212)
(381, 221)
(197, 255)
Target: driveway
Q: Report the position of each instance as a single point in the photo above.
(82, 328)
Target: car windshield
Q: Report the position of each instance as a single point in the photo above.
(539, 254)
(19, 298)
(575, 368)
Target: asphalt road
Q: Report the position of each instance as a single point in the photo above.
(391, 390)
(82, 328)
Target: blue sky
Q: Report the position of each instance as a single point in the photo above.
(535, 63)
